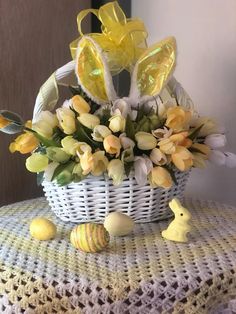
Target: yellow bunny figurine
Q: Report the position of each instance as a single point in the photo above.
(179, 227)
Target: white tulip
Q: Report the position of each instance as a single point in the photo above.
(142, 167)
(230, 160)
(217, 157)
(215, 140)
(126, 142)
(121, 107)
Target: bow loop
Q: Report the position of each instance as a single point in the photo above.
(122, 39)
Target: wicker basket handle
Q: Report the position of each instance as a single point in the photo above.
(48, 94)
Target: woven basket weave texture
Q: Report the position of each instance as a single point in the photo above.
(94, 197)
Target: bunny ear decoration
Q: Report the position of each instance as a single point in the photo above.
(93, 73)
(153, 70)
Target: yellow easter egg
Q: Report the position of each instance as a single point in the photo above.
(89, 237)
(118, 224)
(42, 229)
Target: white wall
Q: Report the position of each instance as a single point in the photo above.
(205, 31)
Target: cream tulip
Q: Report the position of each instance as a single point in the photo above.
(116, 171)
(70, 145)
(117, 123)
(158, 157)
(100, 132)
(89, 120)
(145, 141)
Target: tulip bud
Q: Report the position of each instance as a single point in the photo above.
(79, 104)
(217, 157)
(230, 160)
(145, 141)
(100, 132)
(157, 157)
(57, 154)
(36, 162)
(116, 171)
(117, 123)
(215, 140)
(89, 120)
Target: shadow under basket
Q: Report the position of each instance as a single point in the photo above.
(95, 197)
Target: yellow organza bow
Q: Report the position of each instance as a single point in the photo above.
(122, 39)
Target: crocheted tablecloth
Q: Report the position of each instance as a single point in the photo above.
(140, 273)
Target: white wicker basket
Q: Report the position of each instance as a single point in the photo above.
(93, 198)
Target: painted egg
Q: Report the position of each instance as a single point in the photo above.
(42, 229)
(118, 224)
(89, 237)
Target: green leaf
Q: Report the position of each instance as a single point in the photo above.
(62, 167)
(40, 178)
(83, 134)
(128, 167)
(46, 142)
(194, 133)
(195, 150)
(141, 113)
(129, 128)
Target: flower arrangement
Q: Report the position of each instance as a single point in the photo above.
(150, 132)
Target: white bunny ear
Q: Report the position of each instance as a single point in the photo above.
(93, 73)
(153, 70)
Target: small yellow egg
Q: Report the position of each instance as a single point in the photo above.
(42, 229)
(118, 224)
(89, 237)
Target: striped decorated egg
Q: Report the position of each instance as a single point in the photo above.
(89, 237)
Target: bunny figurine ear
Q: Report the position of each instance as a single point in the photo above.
(152, 70)
(93, 73)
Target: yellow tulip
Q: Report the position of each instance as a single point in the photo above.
(182, 158)
(25, 143)
(167, 146)
(89, 120)
(66, 119)
(100, 163)
(112, 145)
(160, 177)
(45, 124)
(87, 162)
(116, 171)
(199, 160)
(202, 148)
(80, 105)
(4, 122)
(100, 132)
(209, 126)
(178, 118)
(117, 123)
(70, 145)
(36, 162)
(145, 141)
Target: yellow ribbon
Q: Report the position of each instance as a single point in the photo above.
(122, 39)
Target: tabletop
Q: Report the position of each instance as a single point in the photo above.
(139, 273)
